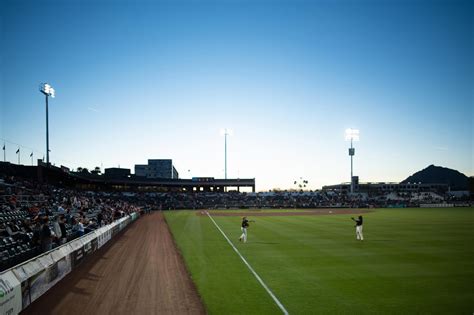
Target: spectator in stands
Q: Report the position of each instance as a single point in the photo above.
(84, 220)
(34, 210)
(46, 236)
(26, 225)
(12, 229)
(100, 218)
(13, 200)
(36, 227)
(27, 229)
(47, 211)
(68, 217)
(3, 229)
(61, 210)
(77, 203)
(62, 226)
(117, 214)
(91, 226)
(57, 230)
(78, 227)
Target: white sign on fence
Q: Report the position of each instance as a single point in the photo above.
(10, 294)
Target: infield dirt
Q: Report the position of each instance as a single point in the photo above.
(138, 272)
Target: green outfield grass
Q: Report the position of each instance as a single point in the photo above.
(413, 261)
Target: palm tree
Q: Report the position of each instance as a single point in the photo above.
(300, 184)
(96, 171)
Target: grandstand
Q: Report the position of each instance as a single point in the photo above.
(388, 187)
(28, 208)
(89, 181)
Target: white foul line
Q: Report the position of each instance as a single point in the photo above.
(250, 268)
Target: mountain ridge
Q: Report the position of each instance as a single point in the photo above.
(439, 175)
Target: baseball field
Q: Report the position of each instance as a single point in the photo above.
(412, 261)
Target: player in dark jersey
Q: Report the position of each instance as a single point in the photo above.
(245, 225)
(358, 227)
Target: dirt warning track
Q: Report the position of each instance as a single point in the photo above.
(139, 272)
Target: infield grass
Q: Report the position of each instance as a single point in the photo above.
(412, 261)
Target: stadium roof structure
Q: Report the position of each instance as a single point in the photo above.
(88, 181)
(387, 186)
(167, 184)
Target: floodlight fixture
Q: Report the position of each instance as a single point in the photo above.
(352, 135)
(47, 90)
(226, 131)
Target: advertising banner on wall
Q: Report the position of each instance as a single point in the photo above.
(37, 282)
(104, 235)
(77, 256)
(77, 253)
(24, 274)
(88, 243)
(62, 265)
(54, 266)
(10, 294)
(123, 222)
(437, 205)
(87, 249)
(115, 230)
(94, 244)
(101, 238)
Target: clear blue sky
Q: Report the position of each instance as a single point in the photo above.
(137, 80)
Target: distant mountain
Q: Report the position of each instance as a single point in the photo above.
(440, 175)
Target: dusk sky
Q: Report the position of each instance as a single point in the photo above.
(137, 80)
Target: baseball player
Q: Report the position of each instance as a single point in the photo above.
(358, 227)
(245, 225)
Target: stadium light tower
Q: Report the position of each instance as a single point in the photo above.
(47, 90)
(225, 132)
(352, 135)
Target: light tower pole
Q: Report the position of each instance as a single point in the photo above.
(225, 154)
(225, 132)
(352, 135)
(47, 90)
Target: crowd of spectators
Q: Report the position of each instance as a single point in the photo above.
(288, 200)
(35, 218)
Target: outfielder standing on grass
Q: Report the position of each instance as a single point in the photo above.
(245, 225)
(358, 227)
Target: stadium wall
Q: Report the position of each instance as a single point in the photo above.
(436, 205)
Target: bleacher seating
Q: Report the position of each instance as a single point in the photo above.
(24, 205)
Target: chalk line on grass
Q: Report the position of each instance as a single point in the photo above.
(282, 308)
